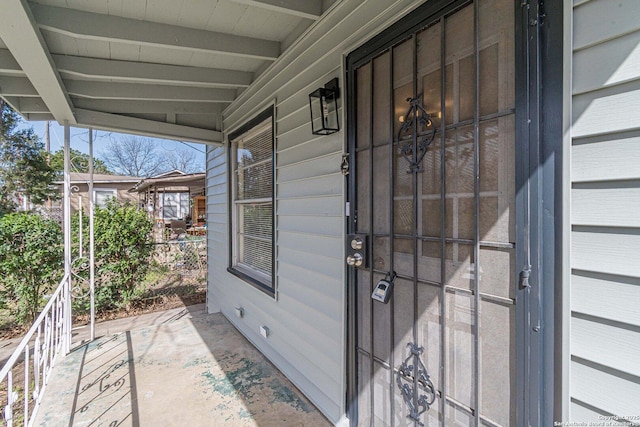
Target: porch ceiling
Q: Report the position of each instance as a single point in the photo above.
(162, 68)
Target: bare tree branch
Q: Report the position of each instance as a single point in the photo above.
(184, 160)
(134, 156)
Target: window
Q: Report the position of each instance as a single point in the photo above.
(101, 196)
(174, 205)
(252, 181)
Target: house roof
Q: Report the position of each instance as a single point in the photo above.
(193, 179)
(159, 67)
(174, 172)
(98, 178)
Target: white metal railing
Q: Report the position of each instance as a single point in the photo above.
(51, 335)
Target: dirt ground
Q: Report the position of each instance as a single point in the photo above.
(173, 290)
(163, 290)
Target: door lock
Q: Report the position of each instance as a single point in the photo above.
(355, 260)
(357, 250)
(357, 243)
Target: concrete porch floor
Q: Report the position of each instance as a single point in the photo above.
(184, 369)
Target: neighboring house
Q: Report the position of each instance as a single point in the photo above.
(104, 188)
(507, 221)
(173, 196)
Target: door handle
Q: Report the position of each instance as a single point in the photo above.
(355, 260)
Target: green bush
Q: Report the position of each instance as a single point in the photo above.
(123, 249)
(31, 263)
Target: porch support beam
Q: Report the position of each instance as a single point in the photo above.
(92, 303)
(310, 9)
(136, 126)
(95, 26)
(102, 90)
(129, 71)
(20, 34)
(148, 107)
(66, 215)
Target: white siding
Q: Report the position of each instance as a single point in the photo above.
(307, 317)
(605, 201)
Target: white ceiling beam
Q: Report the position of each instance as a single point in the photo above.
(16, 86)
(20, 34)
(39, 117)
(128, 71)
(101, 90)
(95, 26)
(8, 64)
(136, 126)
(28, 105)
(310, 9)
(147, 107)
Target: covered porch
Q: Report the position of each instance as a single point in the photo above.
(180, 367)
(161, 69)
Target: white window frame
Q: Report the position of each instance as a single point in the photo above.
(254, 276)
(113, 191)
(178, 203)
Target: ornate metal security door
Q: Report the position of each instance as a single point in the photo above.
(432, 205)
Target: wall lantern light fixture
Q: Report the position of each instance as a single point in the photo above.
(324, 109)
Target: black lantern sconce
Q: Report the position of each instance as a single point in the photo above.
(324, 109)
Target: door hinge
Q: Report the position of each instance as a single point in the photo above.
(524, 278)
(347, 209)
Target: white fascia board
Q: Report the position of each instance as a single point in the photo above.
(136, 126)
(39, 117)
(309, 9)
(95, 26)
(132, 91)
(120, 106)
(19, 32)
(128, 71)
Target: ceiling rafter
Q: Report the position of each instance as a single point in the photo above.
(137, 126)
(310, 9)
(20, 34)
(103, 90)
(95, 26)
(16, 86)
(27, 105)
(8, 64)
(105, 69)
(144, 107)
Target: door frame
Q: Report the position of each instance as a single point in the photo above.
(539, 200)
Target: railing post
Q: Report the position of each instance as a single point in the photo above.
(67, 239)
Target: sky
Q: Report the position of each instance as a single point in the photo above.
(80, 140)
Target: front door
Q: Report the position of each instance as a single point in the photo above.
(432, 184)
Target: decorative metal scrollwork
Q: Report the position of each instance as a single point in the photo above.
(415, 385)
(79, 262)
(415, 118)
(79, 274)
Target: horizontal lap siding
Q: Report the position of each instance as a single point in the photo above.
(605, 206)
(307, 318)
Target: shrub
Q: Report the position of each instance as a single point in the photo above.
(123, 249)
(31, 263)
